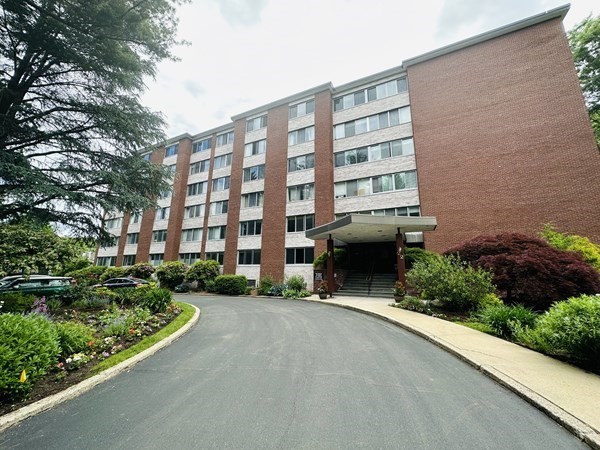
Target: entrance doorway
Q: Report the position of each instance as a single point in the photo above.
(378, 256)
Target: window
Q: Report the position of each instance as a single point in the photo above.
(197, 188)
(167, 193)
(380, 91)
(200, 146)
(301, 162)
(135, 218)
(224, 139)
(193, 211)
(255, 148)
(132, 238)
(113, 223)
(217, 208)
(382, 183)
(372, 123)
(301, 136)
(112, 241)
(128, 260)
(220, 184)
(106, 261)
(162, 213)
(249, 256)
(302, 109)
(199, 167)
(191, 234)
(300, 223)
(156, 259)
(254, 173)
(171, 150)
(216, 233)
(400, 211)
(189, 258)
(147, 156)
(256, 123)
(251, 228)
(215, 256)
(252, 200)
(171, 170)
(301, 192)
(304, 255)
(159, 236)
(400, 147)
(222, 161)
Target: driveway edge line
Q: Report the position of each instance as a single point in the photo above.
(15, 417)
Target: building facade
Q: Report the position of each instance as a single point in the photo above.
(488, 135)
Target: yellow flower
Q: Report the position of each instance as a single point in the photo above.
(23, 377)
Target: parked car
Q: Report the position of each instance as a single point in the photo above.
(35, 284)
(124, 282)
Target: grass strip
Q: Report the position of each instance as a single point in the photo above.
(187, 311)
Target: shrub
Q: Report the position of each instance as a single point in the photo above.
(203, 271)
(171, 273)
(589, 251)
(528, 270)
(73, 265)
(265, 284)
(568, 328)
(454, 283)
(182, 288)
(277, 289)
(293, 293)
(416, 254)
(113, 272)
(231, 284)
(88, 275)
(339, 259)
(16, 302)
(70, 295)
(503, 320)
(142, 270)
(156, 299)
(490, 300)
(210, 286)
(296, 283)
(73, 337)
(27, 343)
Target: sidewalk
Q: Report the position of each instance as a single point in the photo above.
(569, 395)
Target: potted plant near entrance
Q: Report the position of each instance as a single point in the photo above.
(323, 290)
(399, 291)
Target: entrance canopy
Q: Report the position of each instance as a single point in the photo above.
(356, 228)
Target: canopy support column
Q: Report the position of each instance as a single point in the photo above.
(330, 268)
(400, 258)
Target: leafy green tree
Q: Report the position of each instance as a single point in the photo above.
(202, 272)
(29, 248)
(584, 40)
(71, 121)
(171, 273)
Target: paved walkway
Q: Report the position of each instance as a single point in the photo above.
(568, 394)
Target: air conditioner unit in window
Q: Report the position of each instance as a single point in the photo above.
(340, 196)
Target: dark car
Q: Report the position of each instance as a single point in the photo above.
(36, 284)
(125, 282)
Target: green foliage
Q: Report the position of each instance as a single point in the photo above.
(455, 284)
(265, 285)
(73, 337)
(113, 272)
(16, 302)
(70, 295)
(142, 270)
(294, 293)
(416, 254)
(209, 286)
(88, 275)
(27, 247)
(482, 327)
(171, 273)
(584, 40)
(504, 320)
(231, 284)
(296, 283)
(339, 259)
(156, 299)
(589, 251)
(569, 328)
(203, 271)
(71, 266)
(277, 289)
(490, 300)
(182, 288)
(28, 343)
(72, 77)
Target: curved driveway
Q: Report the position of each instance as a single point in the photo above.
(258, 373)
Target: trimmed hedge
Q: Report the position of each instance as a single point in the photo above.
(171, 274)
(203, 272)
(231, 284)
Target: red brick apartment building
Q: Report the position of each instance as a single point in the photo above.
(487, 135)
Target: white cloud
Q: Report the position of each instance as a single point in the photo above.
(241, 12)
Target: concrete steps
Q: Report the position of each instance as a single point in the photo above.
(357, 285)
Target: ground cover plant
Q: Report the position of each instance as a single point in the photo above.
(46, 349)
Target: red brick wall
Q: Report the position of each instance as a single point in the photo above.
(235, 190)
(324, 205)
(178, 200)
(272, 255)
(502, 139)
(143, 247)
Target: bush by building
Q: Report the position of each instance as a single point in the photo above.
(113, 272)
(202, 271)
(230, 284)
(171, 273)
(589, 251)
(142, 270)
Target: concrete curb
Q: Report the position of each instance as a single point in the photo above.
(583, 431)
(13, 418)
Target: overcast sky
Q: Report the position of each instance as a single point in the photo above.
(246, 53)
